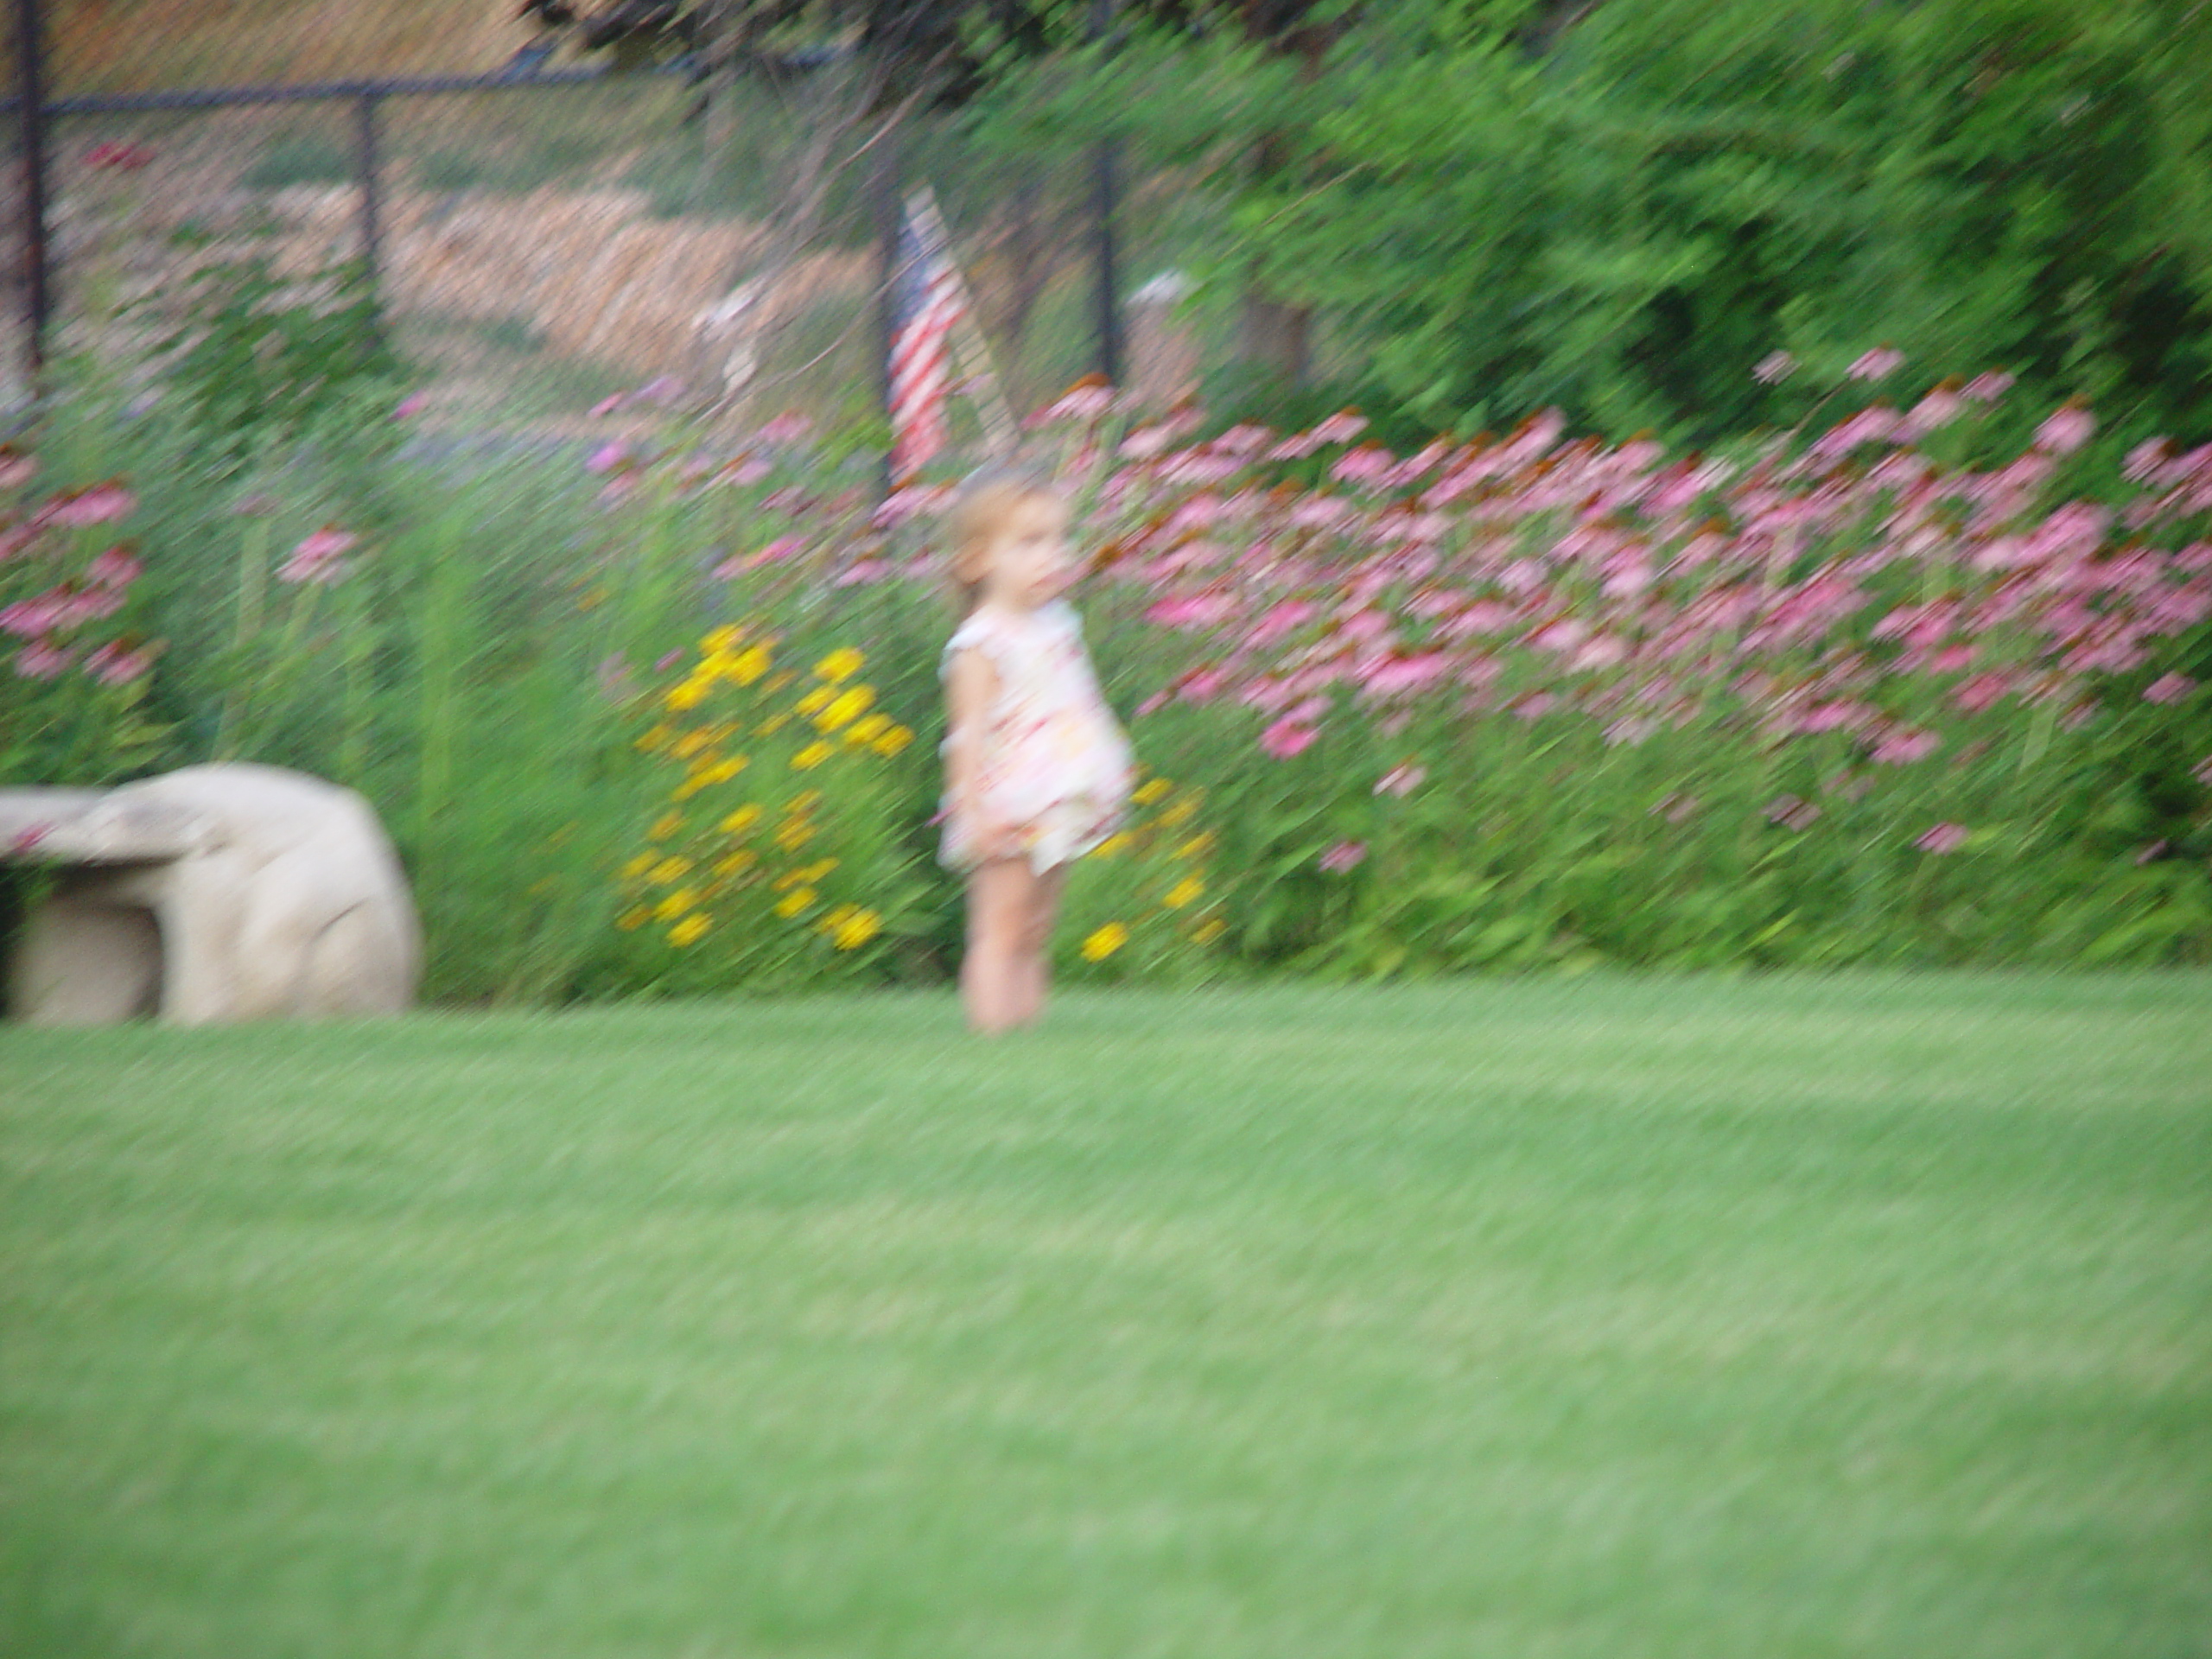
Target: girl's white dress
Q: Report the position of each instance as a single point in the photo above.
(1054, 762)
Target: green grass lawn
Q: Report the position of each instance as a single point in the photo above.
(1766, 1317)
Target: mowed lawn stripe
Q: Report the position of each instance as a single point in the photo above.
(1794, 1316)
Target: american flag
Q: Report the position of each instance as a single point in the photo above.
(928, 303)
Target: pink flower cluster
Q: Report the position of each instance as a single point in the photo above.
(53, 599)
(1846, 584)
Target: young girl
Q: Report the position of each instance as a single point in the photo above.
(1037, 772)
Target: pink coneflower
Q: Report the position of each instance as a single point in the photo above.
(1877, 365)
(117, 156)
(1941, 838)
(1344, 855)
(99, 505)
(1341, 428)
(606, 406)
(2202, 772)
(661, 388)
(116, 664)
(1287, 737)
(42, 660)
(1988, 388)
(607, 457)
(411, 406)
(1906, 748)
(1676, 807)
(320, 558)
(116, 568)
(1792, 813)
(2169, 688)
(16, 470)
(2067, 430)
(1775, 368)
(789, 427)
(1401, 781)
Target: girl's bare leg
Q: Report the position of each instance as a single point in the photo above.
(1035, 963)
(993, 975)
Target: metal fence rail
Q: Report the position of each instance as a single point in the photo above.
(441, 307)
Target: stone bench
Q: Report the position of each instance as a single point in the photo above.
(215, 893)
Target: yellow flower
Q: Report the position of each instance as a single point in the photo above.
(793, 902)
(637, 865)
(815, 871)
(1152, 792)
(676, 904)
(1105, 942)
(805, 801)
(719, 772)
(747, 665)
(780, 682)
(671, 869)
(1183, 892)
(720, 640)
(657, 737)
(736, 864)
(1114, 846)
(740, 821)
(840, 664)
(848, 705)
(687, 930)
(866, 729)
(816, 699)
(1198, 846)
(666, 825)
(689, 694)
(632, 920)
(811, 756)
(794, 835)
(1206, 932)
(893, 741)
(855, 929)
(689, 744)
(774, 724)
(1179, 813)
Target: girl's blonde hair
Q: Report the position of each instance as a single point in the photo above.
(977, 516)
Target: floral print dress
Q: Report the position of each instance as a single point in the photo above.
(1053, 763)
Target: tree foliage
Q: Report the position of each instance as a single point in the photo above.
(1623, 210)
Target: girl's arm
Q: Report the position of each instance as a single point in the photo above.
(971, 688)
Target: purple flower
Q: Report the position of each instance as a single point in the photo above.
(1775, 368)
(607, 457)
(1344, 855)
(2169, 688)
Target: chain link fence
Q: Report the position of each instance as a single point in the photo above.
(543, 237)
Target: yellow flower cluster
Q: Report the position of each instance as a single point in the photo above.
(1166, 836)
(720, 725)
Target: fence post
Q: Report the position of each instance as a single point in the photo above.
(365, 166)
(1104, 188)
(883, 199)
(31, 90)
